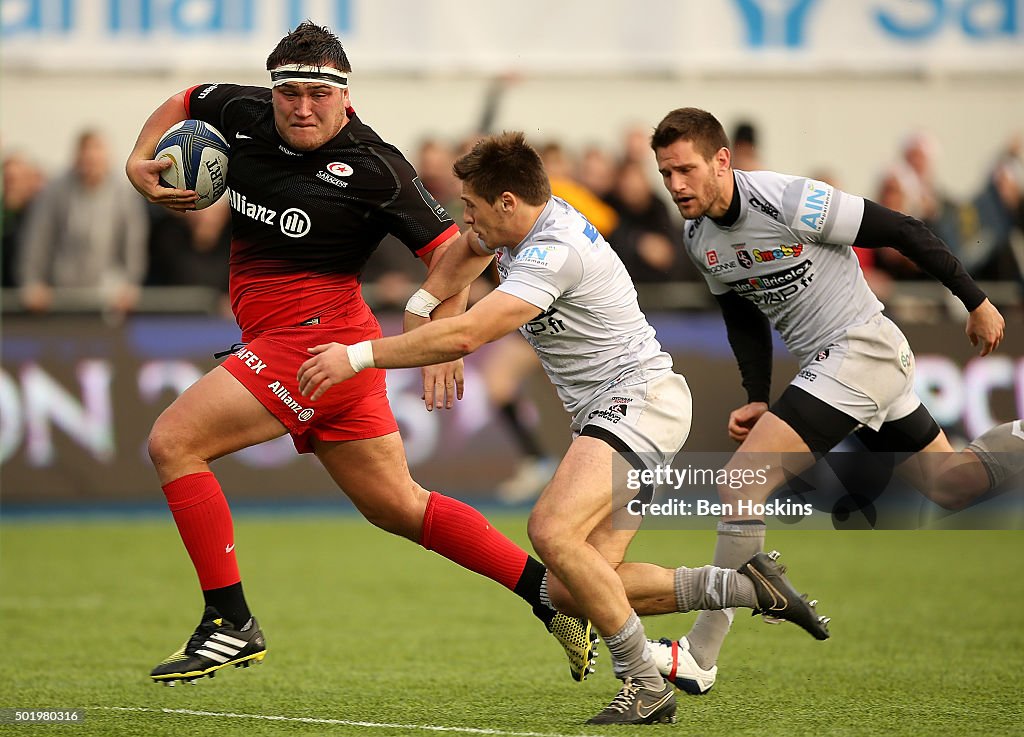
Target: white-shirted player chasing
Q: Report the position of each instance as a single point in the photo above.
(775, 251)
(564, 287)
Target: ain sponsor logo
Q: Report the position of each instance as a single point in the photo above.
(813, 210)
(537, 254)
(550, 256)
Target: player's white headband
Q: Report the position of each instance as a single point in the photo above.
(307, 73)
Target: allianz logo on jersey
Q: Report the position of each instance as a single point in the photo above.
(293, 222)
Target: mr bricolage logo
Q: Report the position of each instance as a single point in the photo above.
(333, 172)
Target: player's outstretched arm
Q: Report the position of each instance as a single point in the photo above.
(456, 266)
(985, 327)
(143, 172)
(495, 315)
(881, 227)
(452, 264)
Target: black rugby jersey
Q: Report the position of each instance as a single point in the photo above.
(307, 222)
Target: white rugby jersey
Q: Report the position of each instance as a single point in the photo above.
(789, 253)
(590, 334)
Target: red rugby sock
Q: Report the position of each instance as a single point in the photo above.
(463, 535)
(204, 523)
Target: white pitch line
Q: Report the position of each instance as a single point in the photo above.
(339, 722)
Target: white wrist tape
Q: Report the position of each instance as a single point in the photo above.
(360, 356)
(422, 303)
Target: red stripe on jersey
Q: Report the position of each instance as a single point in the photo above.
(271, 294)
(452, 231)
(188, 96)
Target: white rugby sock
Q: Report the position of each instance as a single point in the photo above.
(736, 544)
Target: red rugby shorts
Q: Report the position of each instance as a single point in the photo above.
(356, 409)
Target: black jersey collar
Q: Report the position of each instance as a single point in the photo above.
(733, 213)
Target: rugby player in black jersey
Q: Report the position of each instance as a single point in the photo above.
(313, 190)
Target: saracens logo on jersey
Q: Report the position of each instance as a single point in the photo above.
(335, 170)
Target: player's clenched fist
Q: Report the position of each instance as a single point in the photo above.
(743, 419)
(985, 327)
(328, 366)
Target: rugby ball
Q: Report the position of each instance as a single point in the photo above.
(199, 160)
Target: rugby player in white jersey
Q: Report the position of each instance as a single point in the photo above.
(775, 251)
(567, 291)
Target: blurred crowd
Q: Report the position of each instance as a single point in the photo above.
(86, 229)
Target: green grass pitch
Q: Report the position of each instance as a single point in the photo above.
(370, 635)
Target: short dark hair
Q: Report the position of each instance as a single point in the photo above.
(310, 44)
(505, 163)
(691, 124)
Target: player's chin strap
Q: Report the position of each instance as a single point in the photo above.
(309, 73)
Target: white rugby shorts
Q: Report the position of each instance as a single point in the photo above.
(652, 418)
(868, 374)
